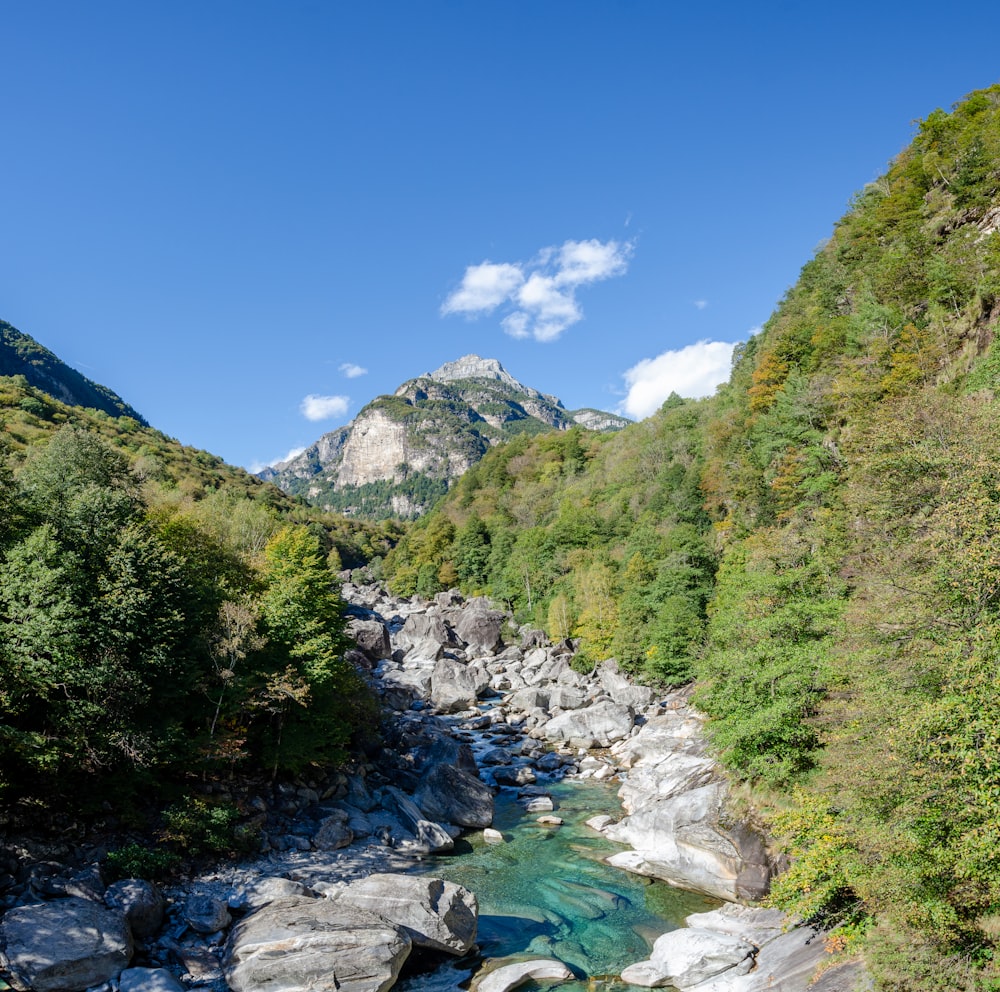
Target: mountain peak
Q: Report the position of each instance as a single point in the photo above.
(473, 367)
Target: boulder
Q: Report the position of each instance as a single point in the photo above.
(435, 914)
(314, 945)
(455, 686)
(510, 976)
(140, 901)
(427, 833)
(148, 980)
(334, 831)
(620, 689)
(66, 945)
(599, 725)
(526, 700)
(689, 840)
(480, 626)
(372, 638)
(261, 891)
(566, 697)
(205, 914)
(687, 957)
(451, 795)
(425, 636)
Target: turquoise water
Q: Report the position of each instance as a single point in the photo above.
(547, 893)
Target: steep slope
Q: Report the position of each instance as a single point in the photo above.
(831, 579)
(160, 612)
(23, 355)
(403, 451)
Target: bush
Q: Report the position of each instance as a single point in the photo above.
(199, 828)
(137, 861)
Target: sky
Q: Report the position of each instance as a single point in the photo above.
(250, 218)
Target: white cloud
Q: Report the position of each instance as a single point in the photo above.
(256, 467)
(691, 371)
(351, 370)
(700, 304)
(323, 407)
(484, 287)
(539, 296)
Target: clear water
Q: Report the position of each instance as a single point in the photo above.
(547, 893)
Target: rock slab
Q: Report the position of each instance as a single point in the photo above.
(314, 945)
(434, 913)
(66, 945)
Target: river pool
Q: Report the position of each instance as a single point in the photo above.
(547, 893)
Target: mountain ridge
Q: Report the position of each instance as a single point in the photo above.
(21, 354)
(402, 451)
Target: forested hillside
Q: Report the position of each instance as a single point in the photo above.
(815, 547)
(162, 615)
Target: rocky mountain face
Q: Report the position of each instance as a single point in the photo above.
(403, 451)
(21, 354)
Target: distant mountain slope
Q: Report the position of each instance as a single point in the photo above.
(403, 451)
(23, 355)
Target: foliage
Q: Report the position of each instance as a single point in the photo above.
(196, 827)
(139, 861)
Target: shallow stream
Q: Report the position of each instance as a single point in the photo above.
(547, 893)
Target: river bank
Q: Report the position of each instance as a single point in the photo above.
(476, 707)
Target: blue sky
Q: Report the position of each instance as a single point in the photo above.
(236, 214)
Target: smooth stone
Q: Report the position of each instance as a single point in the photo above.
(687, 957)
(66, 945)
(261, 891)
(148, 980)
(434, 913)
(550, 821)
(206, 914)
(543, 804)
(510, 976)
(491, 836)
(314, 945)
(598, 823)
(140, 901)
(451, 795)
(334, 831)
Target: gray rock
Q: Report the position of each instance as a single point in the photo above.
(526, 700)
(620, 689)
(372, 638)
(205, 914)
(261, 891)
(684, 958)
(427, 833)
(425, 636)
(510, 976)
(334, 831)
(436, 914)
(451, 795)
(566, 697)
(598, 725)
(480, 626)
(455, 686)
(314, 945)
(148, 980)
(140, 901)
(66, 945)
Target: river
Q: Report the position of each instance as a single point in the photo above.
(546, 892)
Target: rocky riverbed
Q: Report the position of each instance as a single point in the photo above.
(475, 706)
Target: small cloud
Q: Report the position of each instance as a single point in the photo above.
(256, 467)
(351, 370)
(539, 296)
(692, 371)
(700, 304)
(484, 287)
(323, 407)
